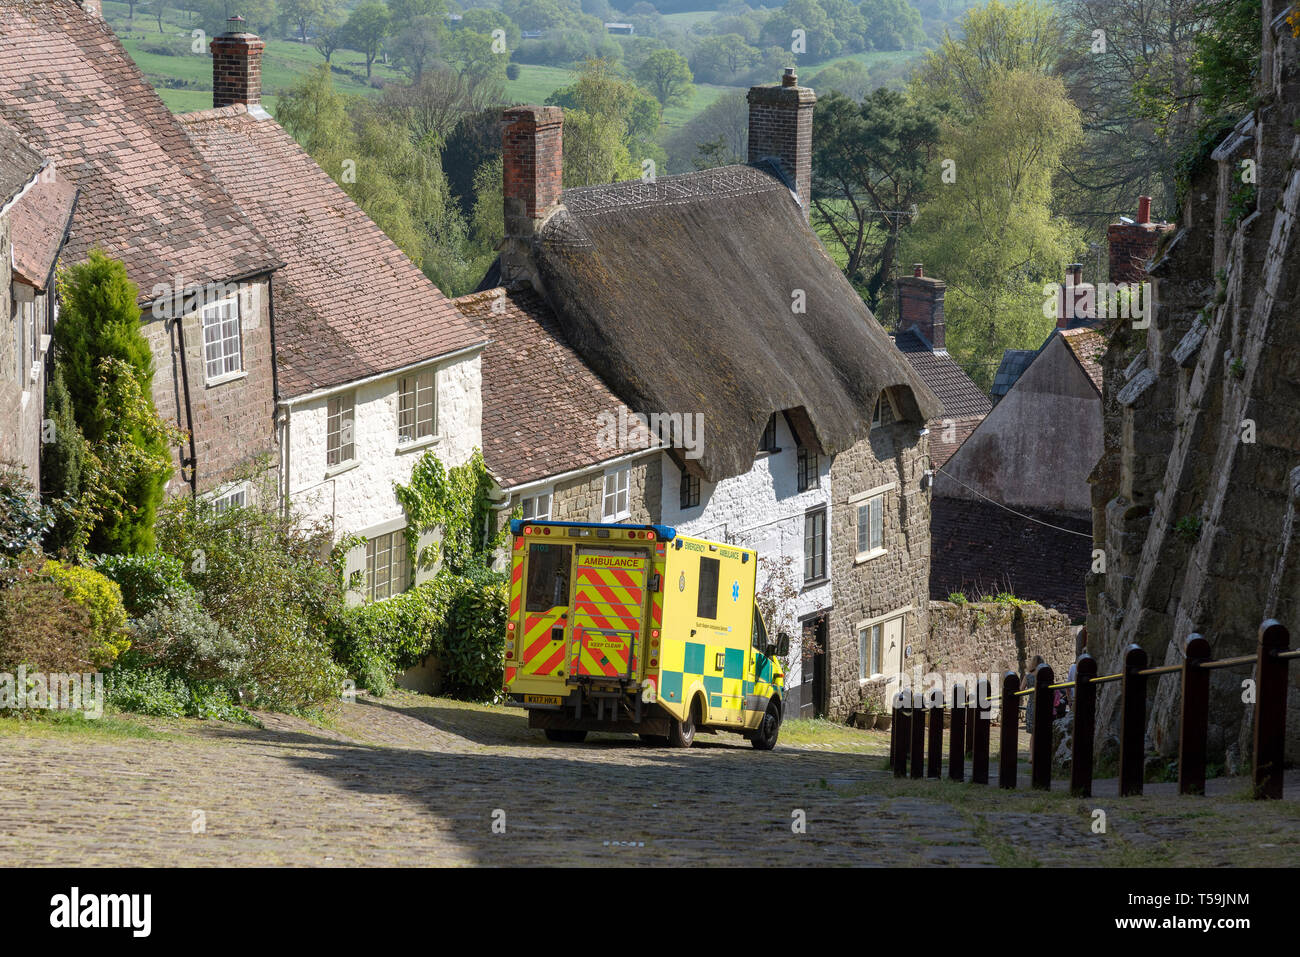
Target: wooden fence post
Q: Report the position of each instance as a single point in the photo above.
(934, 760)
(1133, 722)
(983, 712)
(1270, 709)
(1085, 723)
(957, 737)
(917, 760)
(1040, 746)
(1010, 738)
(1193, 723)
(901, 728)
(970, 728)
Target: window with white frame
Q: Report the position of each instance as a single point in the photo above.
(870, 650)
(616, 495)
(386, 565)
(417, 414)
(537, 507)
(871, 525)
(339, 445)
(234, 497)
(222, 347)
(814, 545)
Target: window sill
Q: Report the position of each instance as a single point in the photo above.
(333, 470)
(612, 519)
(863, 557)
(424, 443)
(815, 583)
(223, 379)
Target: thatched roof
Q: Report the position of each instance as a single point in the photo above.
(681, 294)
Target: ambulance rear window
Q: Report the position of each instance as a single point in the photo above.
(548, 576)
(707, 603)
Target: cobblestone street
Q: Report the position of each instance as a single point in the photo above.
(411, 780)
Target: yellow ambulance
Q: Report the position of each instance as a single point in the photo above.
(636, 628)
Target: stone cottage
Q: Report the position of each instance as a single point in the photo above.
(706, 299)
(36, 207)
(146, 197)
(374, 365)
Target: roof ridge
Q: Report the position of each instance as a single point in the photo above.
(212, 113)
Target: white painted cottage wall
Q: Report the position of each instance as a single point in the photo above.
(361, 497)
(763, 510)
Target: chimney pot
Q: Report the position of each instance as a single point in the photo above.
(916, 270)
(1144, 209)
(789, 79)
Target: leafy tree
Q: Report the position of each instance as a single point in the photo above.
(417, 44)
(610, 125)
(304, 13)
(366, 29)
(665, 74)
(331, 30)
(990, 233)
(872, 163)
(71, 483)
(720, 59)
(473, 54)
(716, 136)
(849, 77)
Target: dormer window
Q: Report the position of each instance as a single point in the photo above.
(768, 442)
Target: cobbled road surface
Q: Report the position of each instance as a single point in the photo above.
(412, 780)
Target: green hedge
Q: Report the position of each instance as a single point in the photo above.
(458, 618)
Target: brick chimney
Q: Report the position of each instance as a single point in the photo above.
(780, 127)
(1132, 244)
(236, 66)
(920, 306)
(1077, 299)
(532, 161)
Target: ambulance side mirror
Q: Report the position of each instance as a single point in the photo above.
(780, 648)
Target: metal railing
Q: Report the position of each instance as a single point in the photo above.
(970, 723)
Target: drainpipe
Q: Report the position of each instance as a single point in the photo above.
(192, 461)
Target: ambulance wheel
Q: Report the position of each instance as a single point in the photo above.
(681, 734)
(764, 738)
(565, 736)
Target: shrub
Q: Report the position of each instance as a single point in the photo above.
(272, 585)
(182, 637)
(147, 581)
(41, 627)
(102, 600)
(161, 692)
(23, 520)
(473, 639)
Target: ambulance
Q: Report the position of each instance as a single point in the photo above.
(634, 628)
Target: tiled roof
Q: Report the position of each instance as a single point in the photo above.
(71, 91)
(1014, 363)
(540, 401)
(19, 164)
(40, 223)
(959, 396)
(348, 302)
(979, 548)
(1087, 346)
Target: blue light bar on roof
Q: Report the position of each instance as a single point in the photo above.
(665, 533)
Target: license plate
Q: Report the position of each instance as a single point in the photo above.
(543, 699)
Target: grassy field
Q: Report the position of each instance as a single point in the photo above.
(537, 82)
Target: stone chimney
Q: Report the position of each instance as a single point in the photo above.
(92, 8)
(236, 66)
(780, 127)
(1077, 299)
(532, 162)
(1132, 244)
(920, 306)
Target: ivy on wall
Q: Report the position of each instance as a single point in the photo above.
(459, 502)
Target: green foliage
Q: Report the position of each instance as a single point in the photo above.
(1007, 598)
(958, 598)
(1228, 49)
(23, 520)
(166, 694)
(270, 581)
(666, 75)
(457, 501)
(70, 474)
(366, 28)
(609, 126)
(1188, 528)
(41, 627)
(181, 637)
(1240, 205)
(102, 601)
(107, 367)
(473, 640)
(147, 581)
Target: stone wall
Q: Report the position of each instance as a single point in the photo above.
(233, 421)
(1196, 499)
(22, 400)
(896, 583)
